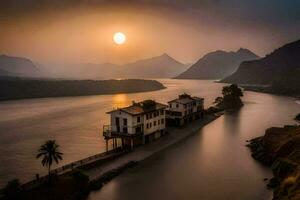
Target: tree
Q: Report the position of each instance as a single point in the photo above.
(232, 90)
(49, 153)
(231, 97)
(218, 100)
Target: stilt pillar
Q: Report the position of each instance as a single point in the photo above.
(106, 141)
(131, 143)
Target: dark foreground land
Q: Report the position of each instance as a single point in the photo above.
(15, 88)
(279, 148)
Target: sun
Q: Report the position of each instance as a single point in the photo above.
(119, 38)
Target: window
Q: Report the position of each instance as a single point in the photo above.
(138, 119)
(147, 116)
(157, 113)
(125, 122)
(170, 105)
(117, 121)
(158, 122)
(177, 105)
(154, 123)
(150, 115)
(162, 121)
(147, 125)
(150, 125)
(161, 112)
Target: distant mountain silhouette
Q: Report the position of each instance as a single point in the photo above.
(6, 73)
(12, 66)
(217, 64)
(280, 70)
(162, 66)
(89, 71)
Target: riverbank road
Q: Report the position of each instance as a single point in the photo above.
(142, 152)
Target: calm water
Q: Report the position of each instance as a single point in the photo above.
(212, 164)
(75, 122)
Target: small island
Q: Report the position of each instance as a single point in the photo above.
(231, 98)
(17, 88)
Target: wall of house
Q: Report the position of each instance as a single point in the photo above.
(186, 109)
(131, 121)
(178, 107)
(156, 123)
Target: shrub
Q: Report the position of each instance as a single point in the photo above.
(13, 190)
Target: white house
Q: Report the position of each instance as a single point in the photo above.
(184, 109)
(136, 124)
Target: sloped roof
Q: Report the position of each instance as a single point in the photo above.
(185, 99)
(141, 107)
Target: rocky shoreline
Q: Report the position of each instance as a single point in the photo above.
(279, 149)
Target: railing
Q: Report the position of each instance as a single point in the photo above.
(173, 113)
(108, 132)
(71, 166)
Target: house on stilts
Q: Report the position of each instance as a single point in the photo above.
(136, 124)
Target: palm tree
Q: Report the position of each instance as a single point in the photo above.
(49, 152)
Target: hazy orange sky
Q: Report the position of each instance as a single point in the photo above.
(81, 31)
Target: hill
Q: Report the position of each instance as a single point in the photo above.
(279, 148)
(18, 88)
(17, 66)
(217, 64)
(279, 71)
(163, 66)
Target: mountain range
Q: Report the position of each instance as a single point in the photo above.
(217, 64)
(163, 66)
(278, 72)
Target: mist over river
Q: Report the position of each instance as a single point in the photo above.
(212, 164)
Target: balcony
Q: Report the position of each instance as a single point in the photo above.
(109, 133)
(173, 113)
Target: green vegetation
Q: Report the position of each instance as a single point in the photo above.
(13, 190)
(49, 153)
(231, 97)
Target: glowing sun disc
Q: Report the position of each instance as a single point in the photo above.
(119, 38)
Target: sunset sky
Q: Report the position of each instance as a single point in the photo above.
(82, 30)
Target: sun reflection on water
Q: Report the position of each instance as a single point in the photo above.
(120, 100)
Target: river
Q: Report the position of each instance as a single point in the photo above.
(212, 164)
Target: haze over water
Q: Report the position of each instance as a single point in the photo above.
(212, 164)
